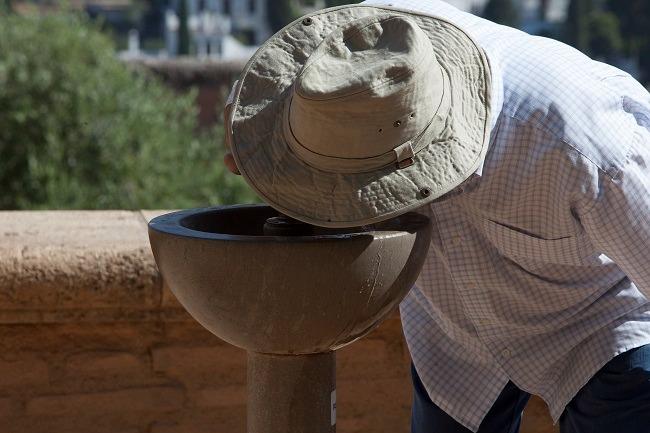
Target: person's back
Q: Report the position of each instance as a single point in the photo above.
(519, 287)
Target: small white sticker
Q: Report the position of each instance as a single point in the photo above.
(333, 406)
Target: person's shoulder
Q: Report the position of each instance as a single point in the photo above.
(578, 101)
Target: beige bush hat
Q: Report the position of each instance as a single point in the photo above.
(356, 114)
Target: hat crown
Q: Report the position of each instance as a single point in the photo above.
(367, 88)
(363, 57)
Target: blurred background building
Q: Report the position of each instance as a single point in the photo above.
(610, 30)
(226, 29)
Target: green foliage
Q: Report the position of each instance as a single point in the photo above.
(183, 29)
(502, 12)
(634, 16)
(635, 19)
(80, 130)
(135, 11)
(281, 13)
(605, 39)
(644, 63)
(577, 24)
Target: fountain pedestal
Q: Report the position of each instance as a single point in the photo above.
(288, 293)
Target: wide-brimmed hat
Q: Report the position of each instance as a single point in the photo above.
(356, 114)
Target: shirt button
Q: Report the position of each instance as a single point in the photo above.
(456, 240)
(506, 353)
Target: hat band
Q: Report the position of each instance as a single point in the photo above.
(402, 155)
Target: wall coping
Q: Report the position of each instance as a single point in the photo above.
(82, 266)
(76, 266)
(190, 70)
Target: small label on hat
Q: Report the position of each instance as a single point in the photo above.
(404, 152)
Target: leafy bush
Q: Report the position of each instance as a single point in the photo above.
(281, 13)
(503, 12)
(80, 130)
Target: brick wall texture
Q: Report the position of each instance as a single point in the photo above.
(141, 377)
(72, 361)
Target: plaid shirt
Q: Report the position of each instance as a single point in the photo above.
(539, 265)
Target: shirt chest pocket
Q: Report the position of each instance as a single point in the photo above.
(531, 251)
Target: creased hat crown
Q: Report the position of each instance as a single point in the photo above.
(368, 88)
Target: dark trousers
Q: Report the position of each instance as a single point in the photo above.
(615, 400)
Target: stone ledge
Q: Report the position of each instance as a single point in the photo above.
(79, 266)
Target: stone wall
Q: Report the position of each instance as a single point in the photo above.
(91, 340)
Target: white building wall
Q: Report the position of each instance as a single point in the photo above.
(241, 15)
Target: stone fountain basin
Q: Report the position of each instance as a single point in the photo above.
(286, 294)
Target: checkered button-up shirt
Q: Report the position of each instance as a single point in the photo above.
(539, 265)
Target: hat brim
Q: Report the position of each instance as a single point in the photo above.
(329, 199)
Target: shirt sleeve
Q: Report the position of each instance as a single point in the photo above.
(617, 217)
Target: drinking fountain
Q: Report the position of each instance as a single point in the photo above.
(288, 293)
